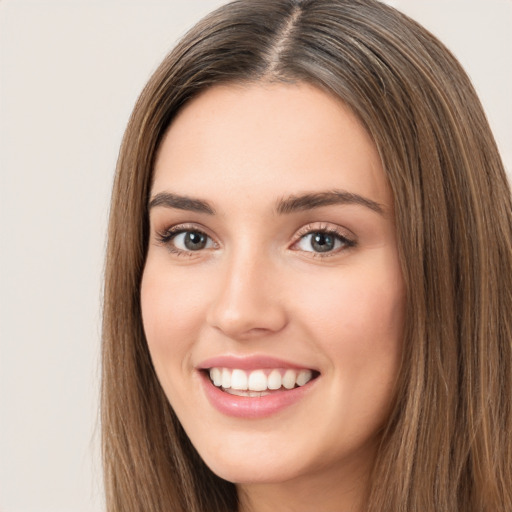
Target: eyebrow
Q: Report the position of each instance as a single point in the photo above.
(313, 200)
(294, 203)
(180, 203)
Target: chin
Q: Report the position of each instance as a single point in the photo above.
(252, 473)
(242, 466)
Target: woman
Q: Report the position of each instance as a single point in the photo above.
(308, 283)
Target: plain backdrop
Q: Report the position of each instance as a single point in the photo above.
(70, 72)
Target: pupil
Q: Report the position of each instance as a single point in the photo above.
(195, 241)
(322, 242)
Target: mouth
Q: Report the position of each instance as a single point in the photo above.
(257, 386)
(259, 382)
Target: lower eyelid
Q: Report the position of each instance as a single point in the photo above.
(169, 233)
(341, 234)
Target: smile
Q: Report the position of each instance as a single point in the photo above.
(259, 382)
(255, 387)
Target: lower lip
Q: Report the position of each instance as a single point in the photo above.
(252, 407)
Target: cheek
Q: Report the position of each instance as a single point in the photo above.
(357, 316)
(171, 310)
(360, 328)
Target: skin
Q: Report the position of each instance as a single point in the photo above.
(259, 288)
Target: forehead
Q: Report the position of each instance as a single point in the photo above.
(268, 139)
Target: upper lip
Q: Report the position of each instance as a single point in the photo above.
(254, 362)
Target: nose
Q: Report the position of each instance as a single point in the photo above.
(248, 302)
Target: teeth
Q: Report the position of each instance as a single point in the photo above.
(240, 382)
(216, 376)
(246, 393)
(274, 380)
(226, 378)
(289, 379)
(257, 381)
(303, 377)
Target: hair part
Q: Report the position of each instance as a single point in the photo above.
(447, 444)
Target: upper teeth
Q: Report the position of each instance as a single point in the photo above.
(259, 380)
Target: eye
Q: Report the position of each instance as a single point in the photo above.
(191, 241)
(323, 242)
(180, 240)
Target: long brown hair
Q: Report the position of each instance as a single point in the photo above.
(448, 443)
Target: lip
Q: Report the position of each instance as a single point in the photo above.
(256, 362)
(251, 407)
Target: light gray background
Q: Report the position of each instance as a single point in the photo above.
(70, 72)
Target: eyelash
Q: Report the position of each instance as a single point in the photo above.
(165, 238)
(310, 229)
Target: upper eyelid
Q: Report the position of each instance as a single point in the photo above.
(324, 227)
(183, 227)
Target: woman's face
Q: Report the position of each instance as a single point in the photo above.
(273, 265)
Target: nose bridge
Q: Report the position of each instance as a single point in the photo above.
(247, 300)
